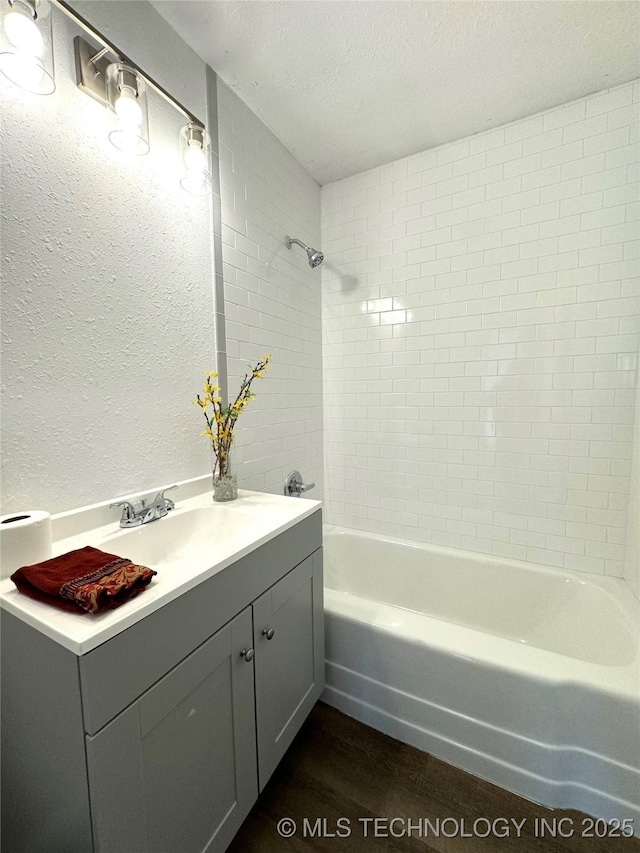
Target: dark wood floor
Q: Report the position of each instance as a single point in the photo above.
(339, 768)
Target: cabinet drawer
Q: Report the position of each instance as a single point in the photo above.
(119, 671)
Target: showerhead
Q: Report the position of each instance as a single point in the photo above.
(315, 256)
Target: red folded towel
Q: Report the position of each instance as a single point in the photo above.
(83, 580)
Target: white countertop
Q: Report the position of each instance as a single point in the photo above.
(235, 529)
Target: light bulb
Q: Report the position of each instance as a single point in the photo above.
(195, 160)
(128, 109)
(194, 148)
(126, 96)
(23, 33)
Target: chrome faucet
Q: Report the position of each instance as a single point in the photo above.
(135, 514)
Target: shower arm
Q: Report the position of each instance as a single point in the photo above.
(315, 256)
(289, 240)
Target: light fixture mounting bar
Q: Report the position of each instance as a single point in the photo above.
(91, 69)
(111, 48)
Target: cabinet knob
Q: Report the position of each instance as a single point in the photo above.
(247, 654)
(268, 633)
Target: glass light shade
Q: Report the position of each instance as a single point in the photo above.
(26, 47)
(195, 152)
(127, 97)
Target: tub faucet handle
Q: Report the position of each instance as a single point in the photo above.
(294, 486)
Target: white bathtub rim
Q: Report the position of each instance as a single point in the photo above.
(479, 647)
(614, 587)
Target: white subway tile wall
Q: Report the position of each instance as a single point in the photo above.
(480, 327)
(272, 300)
(632, 552)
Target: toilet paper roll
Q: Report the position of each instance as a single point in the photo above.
(25, 538)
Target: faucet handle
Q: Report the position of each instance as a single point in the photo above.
(294, 485)
(160, 499)
(128, 511)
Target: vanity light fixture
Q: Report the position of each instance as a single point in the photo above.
(119, 86)
(127, 97)
(26, 48)
(194, 149)
(104, 73)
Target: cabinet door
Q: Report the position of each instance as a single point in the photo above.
(176, 771)
(290, 666)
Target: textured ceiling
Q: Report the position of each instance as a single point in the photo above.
(349, 85)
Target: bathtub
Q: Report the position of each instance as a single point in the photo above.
(525, 676)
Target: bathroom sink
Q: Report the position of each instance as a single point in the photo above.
(183, 534)
(190, 545)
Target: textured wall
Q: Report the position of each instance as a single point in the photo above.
(480, 318)
(272, 299)
(107, 303)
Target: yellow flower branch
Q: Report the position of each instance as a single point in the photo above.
(221, 420)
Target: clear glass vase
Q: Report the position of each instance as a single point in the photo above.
(225, 480)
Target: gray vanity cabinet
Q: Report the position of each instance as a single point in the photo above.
(159, 739)
(289, 642)
(176, 771)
